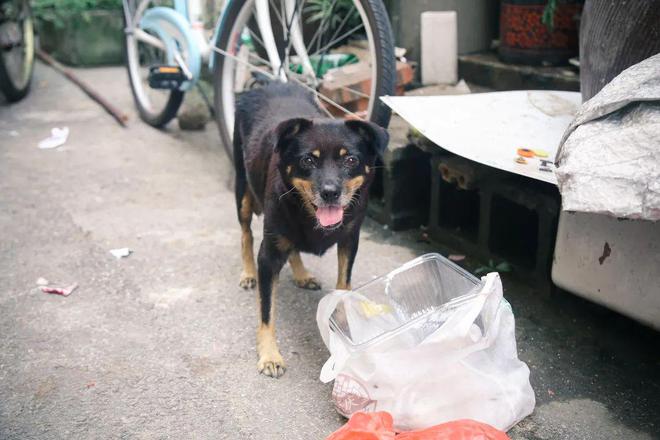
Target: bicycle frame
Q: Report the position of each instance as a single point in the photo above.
(185, 18)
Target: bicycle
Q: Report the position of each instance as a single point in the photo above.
(16, 48)
(285, 40)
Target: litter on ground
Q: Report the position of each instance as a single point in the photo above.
(121, 252)
(63, 291)
(427, 315)
(456, 257)
(42, 281)
(380, 426)
(57, 138)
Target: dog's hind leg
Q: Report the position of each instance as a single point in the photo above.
(249, 273)
(244, 206)
(301, 277)
(271, 259)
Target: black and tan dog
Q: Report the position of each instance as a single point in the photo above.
(309, 176)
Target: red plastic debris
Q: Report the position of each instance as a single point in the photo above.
(379, 426)
(366, 426)
(64, 291)
(456, 430)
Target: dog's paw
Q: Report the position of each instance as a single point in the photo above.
(308, 283)
(248, 282)
(271, 365)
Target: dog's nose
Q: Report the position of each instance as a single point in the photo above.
(330, 193)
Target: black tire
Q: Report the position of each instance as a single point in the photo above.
(385, 62)
(169, 111)
(14, 92)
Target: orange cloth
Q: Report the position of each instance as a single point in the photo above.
(379, 426)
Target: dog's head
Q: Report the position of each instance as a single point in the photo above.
(328, 162)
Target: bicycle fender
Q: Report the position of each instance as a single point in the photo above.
(152, 20)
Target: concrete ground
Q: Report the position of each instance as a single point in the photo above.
(161, 344)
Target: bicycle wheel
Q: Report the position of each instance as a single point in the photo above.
(156, 107)
(332, 31)
(16, 48)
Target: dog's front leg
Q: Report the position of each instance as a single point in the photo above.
(346, 251)
(270, 262)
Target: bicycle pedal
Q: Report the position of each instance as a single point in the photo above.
(166, 77)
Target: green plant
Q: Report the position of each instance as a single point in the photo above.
(56, 10)
(548, 17)
(492, 267)
(332, 13)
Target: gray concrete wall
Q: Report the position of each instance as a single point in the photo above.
(477, 23)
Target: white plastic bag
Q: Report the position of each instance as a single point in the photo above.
(466, 369)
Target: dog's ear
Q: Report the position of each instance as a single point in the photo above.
(287, 130)
(374, 135)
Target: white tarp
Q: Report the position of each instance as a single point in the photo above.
(609, 158)
(490, 127)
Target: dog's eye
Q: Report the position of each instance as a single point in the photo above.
(351, 161)
(307, 162)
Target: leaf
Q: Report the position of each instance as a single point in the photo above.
(481, 269)
(503, 267)
(548, 17)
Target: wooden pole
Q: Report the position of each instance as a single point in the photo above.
(119, 116)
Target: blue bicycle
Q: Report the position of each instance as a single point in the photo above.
(341, 50)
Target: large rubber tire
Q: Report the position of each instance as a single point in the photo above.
(385, 63)
(8, 88)
(157, 119)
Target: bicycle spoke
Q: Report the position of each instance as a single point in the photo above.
(342, 37)
(245, 63)
(287, 36)
(146, 38)
(254, 35)
(326, 99)
(321, 26)
(258, 58)
(341, 25)
(319, 95)
(355, 92)
(277, 12)
(285, 25)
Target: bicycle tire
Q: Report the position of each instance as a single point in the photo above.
(171, 108)
(13, 92)
(385, 63)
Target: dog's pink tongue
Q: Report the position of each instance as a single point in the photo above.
(329, 215)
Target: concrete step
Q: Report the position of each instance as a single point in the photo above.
(485, 69)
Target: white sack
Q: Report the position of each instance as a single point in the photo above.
(466, 369)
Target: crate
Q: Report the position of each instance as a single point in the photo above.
(490, 214)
